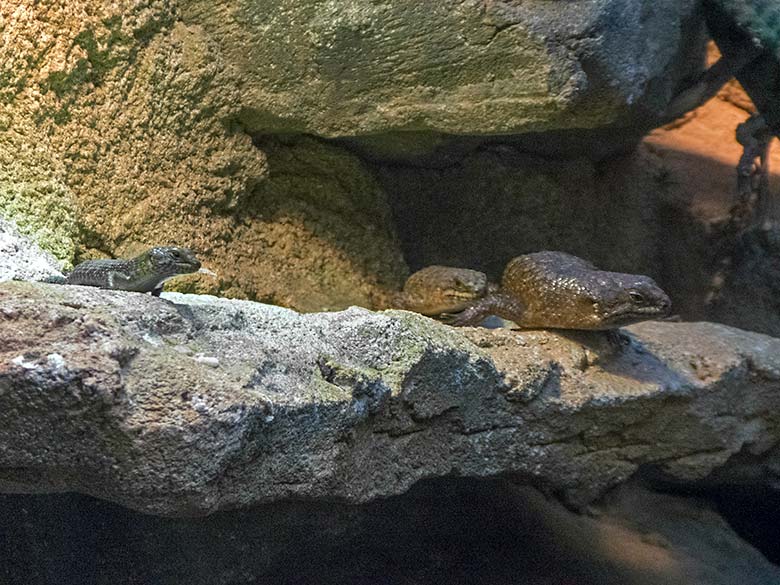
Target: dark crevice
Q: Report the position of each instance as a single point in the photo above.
(745, 491)
(449, 530)
(754, 514)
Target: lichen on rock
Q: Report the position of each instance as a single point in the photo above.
(43, 210)
(34, 196)
(191, 404)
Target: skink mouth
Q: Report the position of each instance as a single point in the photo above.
(188, 266)
(638, 313)
(462, 296)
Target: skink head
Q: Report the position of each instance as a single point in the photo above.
(442, 289)
(629, 298)
(171, 260)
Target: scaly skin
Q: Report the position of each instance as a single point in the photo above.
(441, 289)
(560, 291)
(145, 273)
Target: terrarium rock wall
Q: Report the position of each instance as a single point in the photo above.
(313, 153)
(121, 130)
(128, 124)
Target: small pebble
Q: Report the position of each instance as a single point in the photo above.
(207, 360)
(9, 313)
(22, 362)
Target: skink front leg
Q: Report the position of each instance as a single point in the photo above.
(118, 280)
(505, 306)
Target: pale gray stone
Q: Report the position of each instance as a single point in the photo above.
(21, 258)
(97, 396)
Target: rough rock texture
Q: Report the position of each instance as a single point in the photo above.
(316, 235)
(499, 202)
(126, 124)
(118, 130)
(21, 258)
(451, 530)
(355, 67)
(207, 404)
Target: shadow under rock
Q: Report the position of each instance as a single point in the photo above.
(746, 492)
(499, 202)
(448, 530)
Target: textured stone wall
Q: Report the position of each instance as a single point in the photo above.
(121, 131)
(128, 124)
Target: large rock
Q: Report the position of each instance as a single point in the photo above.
(118, 131)
(356, 67)
(33, 191)
(202, 404)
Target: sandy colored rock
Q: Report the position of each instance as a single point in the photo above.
(120, 126)
(21, 258)
(316, 235)
(33, 192)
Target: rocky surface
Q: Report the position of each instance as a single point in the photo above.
(477, 130)
(130, 124)
(21, 258)
(360, 68)
(452, 530)
(190, 404)
(659, 210)
(143, 122)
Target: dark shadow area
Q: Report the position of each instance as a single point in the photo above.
(449, 530)
(499, 202)
(745, 491)
(754, 514)
(714, 273)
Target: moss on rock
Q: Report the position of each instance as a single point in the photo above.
(44, 211)
(126, 123)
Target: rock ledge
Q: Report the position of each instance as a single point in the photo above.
(191, 404)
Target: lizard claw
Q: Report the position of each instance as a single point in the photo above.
(617, 339)
(447, 318)
(462, 319)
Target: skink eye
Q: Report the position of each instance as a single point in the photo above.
(637, 297)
